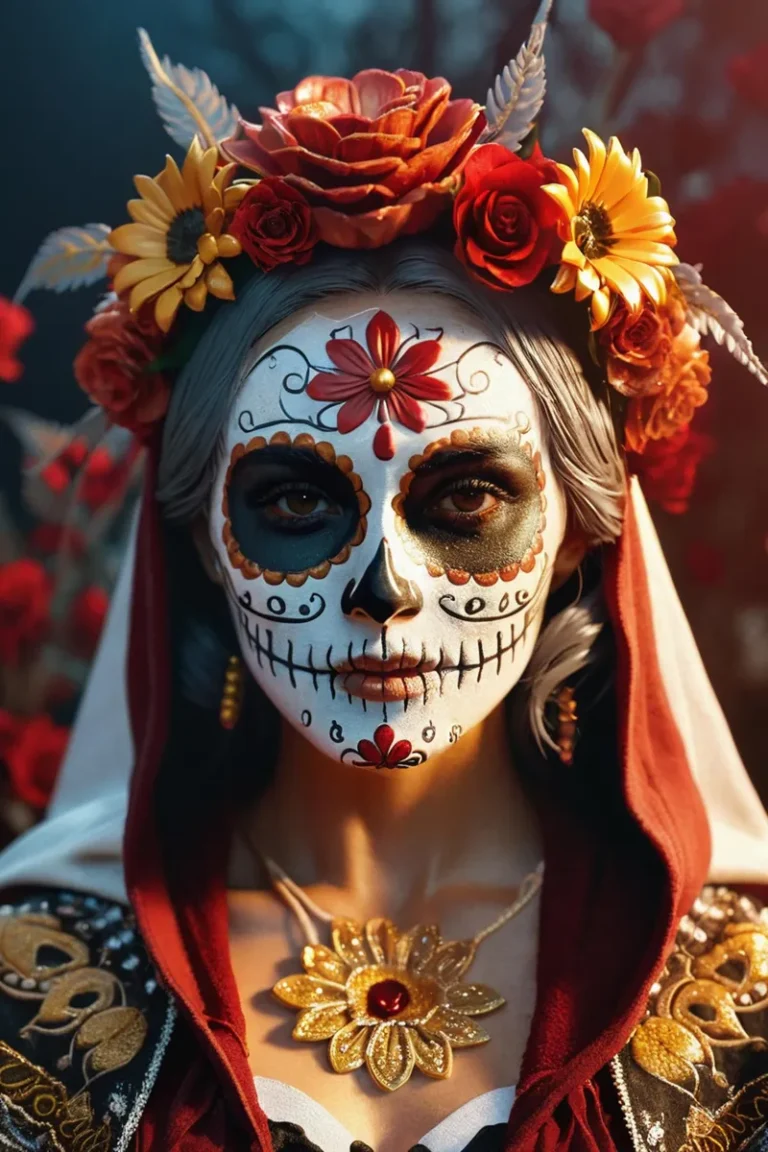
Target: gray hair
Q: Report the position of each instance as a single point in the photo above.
(540, 333)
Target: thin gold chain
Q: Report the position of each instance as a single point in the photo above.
(300, 903)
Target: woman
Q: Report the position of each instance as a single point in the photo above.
(401, 644)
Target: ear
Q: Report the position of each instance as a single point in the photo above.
(570, 554)
(205, 550)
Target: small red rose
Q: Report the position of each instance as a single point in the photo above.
(15, 325)
(113, 367)
(274, 224)
(25, 598)
(638, 344)
(34, 758)
(506, 226)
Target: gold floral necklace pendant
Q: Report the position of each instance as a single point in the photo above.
(392, 1001)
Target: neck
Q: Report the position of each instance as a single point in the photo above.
(391, 838)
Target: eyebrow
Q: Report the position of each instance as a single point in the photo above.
(495, 449)
(286, 454)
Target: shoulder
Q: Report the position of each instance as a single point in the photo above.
(694, 1075)
(84, 1024)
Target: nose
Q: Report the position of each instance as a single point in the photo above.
(381, 594)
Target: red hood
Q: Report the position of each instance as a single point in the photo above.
(613, 893)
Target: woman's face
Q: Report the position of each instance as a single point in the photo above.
(386, 518)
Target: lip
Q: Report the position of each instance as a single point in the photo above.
(405, 684)
(401, 664)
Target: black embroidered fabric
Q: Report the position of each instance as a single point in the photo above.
(287, 1137)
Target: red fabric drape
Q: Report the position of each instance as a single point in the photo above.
(610, 902)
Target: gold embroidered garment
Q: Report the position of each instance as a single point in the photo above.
(83, 1024)
(694, 1075)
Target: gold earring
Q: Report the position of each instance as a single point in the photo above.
(232, 696)
(567, 717)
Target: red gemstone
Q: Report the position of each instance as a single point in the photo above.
(387, 998)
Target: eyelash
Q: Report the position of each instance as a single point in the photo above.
(272, 495)
(473, 484)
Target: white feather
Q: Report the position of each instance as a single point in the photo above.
(69, 258)
(188, 101)
(515, 100)
(709, 314)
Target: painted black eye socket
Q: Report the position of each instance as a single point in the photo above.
(289, 509)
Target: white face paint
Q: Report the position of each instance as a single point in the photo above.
(386, 518)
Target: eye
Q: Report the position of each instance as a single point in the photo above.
(467, 503)
(294, 502)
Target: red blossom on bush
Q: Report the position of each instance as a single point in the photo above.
(47, 539)
(87, 616)
(274, 225)
(15, 325)
(706, 563)
(112, 367)
(25, 599)
(103, 479)
(506, 226)
(10, 726)
(34, 757)
(632, 23)
(374, 155)
(667, 469)
(733, 220)
(748, 74)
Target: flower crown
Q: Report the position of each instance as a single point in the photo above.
(355, 164)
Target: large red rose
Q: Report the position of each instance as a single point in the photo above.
(15, 325)
(506, 227)
(25, 600)
(632, 23)
(373, 155)
(34, 758)
(112, 367)
(274, 225)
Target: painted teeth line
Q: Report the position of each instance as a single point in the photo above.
(463, 666)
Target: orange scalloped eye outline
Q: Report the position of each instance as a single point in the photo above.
(462, 438)
(249, 568)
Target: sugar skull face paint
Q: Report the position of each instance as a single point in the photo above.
(386, 518)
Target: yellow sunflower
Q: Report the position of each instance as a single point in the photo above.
(177, 236)
(619, 238)
(392, 1001)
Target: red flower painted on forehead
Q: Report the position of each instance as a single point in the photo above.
(389, 377)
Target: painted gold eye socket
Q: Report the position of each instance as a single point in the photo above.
(506, 528)
(298, 505)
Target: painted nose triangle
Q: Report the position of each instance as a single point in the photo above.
(381, 594)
